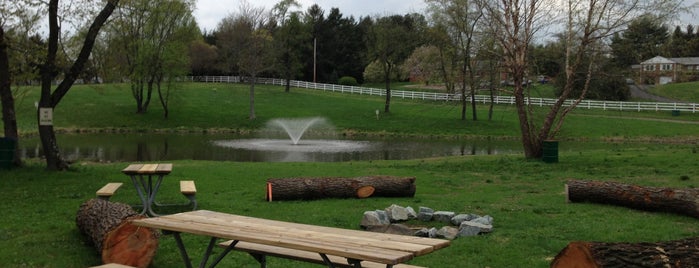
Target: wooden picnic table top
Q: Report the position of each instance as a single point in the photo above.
(352, 244)
(148, 169)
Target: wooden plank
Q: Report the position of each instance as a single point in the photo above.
(188, 187)
(109, 189)
(143, 169)
(301, 255)
(132, 169)
(148, 169)
(237, 231)
(164, 168)
(433, 244)
(351, 238)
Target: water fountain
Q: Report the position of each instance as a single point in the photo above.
(298, 138)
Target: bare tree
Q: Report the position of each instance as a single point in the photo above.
(247, 41)
(588, 25)
(49, 99)
(460, 19)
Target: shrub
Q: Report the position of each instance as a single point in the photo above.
(348, 81)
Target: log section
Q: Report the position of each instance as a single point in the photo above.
(337, 187)
(678, 253)
(109, 228)
(681, 201)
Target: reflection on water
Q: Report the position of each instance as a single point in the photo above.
(163, 147)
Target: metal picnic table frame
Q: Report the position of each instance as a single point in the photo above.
(142, 177)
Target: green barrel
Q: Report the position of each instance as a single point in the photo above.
(550, 151)
(7, 152)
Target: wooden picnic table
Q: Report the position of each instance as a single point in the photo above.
(355, 246)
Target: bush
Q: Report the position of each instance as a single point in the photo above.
(348, 81)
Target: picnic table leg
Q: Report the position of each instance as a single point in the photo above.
(180, 245)
(327, 261)
(224, 253)
(140, 186)
(261, 258)
(152, 192)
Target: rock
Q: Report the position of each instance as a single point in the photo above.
(397, 213)
(482, 228)
(424, 232)
(448, 232)
(411, 213)
(425, 214)
(372, 218)
(456, 220)
(468, 230)
(443, 216)
(487, 220)
(433, 232)
(399, 229)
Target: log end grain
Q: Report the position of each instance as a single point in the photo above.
(575, 255)
(365, 191)
(129, 244)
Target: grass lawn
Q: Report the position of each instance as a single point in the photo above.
(532, 222)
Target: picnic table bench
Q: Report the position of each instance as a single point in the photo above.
(299, 241)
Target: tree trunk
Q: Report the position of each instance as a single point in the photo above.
(358, 187)
(109, 228)
(48, 99)
(9, 117)
(678, 253)
(681, 201)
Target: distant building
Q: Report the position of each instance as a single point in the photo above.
(660, 70)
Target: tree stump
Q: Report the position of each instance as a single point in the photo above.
(678, 253)
(681, 201)
(108, 225)
(337, 187)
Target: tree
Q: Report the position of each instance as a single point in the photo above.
(289, 40)
(390, 41)
(247, 39)
(587, 25)
(50, 99)
(9, 117)
(643, 39)
(154, 37)
(460, 19)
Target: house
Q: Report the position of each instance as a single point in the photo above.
(660, 70)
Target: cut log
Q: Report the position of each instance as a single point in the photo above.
(337, 187)
(678, 253)
(681, 201)
(108, 225)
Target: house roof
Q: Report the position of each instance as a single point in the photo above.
(663, 60)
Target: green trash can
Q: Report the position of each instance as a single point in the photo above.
(675, 112)
(7, 152)
(550, 151)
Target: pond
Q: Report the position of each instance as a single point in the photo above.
(227, 147)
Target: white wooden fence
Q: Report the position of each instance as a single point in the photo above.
(585, 104)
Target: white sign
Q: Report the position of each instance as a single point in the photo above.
(45, 116)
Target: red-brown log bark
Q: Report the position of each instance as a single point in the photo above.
(681, 201)
(317, 188)
(678, 253)
(109, 228)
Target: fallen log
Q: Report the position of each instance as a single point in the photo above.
(108, 225)
(337, 187)
(678, 253)
(681, 201)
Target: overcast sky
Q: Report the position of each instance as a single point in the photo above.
(210, 12)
